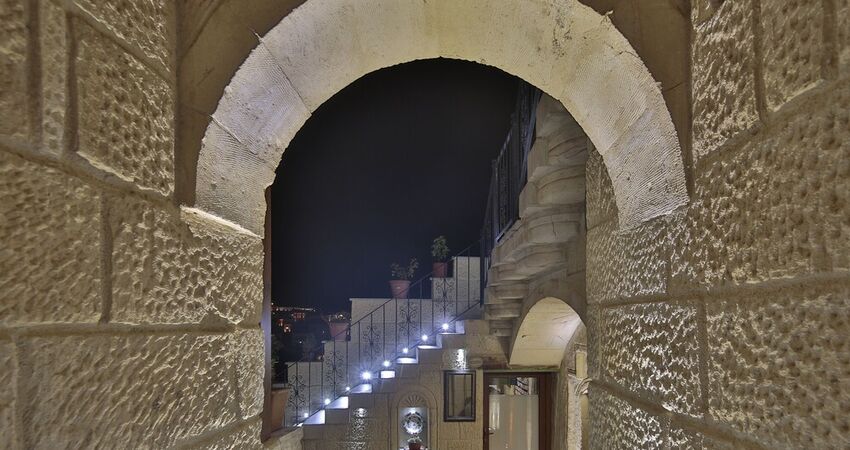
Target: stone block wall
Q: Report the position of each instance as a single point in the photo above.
(125, 320)
(736, 305)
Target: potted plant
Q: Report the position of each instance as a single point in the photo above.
(414, 443)
(400, 283)
(440, 251)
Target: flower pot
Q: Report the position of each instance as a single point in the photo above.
(399, 288)
(414, 446)
(279, 398)
(440, 269)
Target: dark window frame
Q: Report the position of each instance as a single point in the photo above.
(447, 374)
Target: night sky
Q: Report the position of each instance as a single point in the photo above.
(392, 161)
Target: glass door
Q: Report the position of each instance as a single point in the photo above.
(517, 409)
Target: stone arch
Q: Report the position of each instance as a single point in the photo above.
(544, 332)
(561, 46)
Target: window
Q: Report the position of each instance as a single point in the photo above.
(459, 396)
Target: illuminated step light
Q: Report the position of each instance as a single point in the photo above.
(405, 350)
(387, 374)
(366, 375)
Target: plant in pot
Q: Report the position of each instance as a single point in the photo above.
(440, 252)
(400, 283)
(414, 443)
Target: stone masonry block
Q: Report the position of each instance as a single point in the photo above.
(794, 47)
(601, 203)
(147, 24)
(8, 379)
(14, 16)
(50, 264)
(724, 95)
(843, 18)
(682, 439)
(246, 437)
(248, 351)
(629, 263)
(126, 113)
(776, 208)
(181, 268)
(53, 43)
(140, 391)
(614, 423)
(778, 364)
(652, 349)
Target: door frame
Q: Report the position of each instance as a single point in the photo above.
(545, 404)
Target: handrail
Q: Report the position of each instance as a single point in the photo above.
(382, 352)
(347, 329)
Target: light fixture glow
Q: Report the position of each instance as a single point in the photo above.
(347, 388)
(445, 327)
(327, 401)
(386, 363)
(306, 415)
(405, 350)
(366, 375)
(424, 338)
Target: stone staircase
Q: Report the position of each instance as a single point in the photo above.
(364, 418)
(551, 217)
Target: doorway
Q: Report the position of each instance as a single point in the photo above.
(518, 410)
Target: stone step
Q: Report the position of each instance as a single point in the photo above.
(428, 354)
(407, 371)
(555, 152)
(387, 385)
(503, 332)
(564, 186)
(531, 261)
(503, 311)
(337, 411)
(360, 396)
(505, 293)
(552, 228)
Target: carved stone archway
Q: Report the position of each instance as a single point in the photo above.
(561, 46)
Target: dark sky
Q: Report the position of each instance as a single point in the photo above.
(392, 161)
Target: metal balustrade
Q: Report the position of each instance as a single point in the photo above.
(374, 342)
(509, 174)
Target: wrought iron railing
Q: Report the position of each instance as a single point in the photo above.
(509, 174)
(374, 342)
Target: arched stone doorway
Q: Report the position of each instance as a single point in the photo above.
(551, 334)
(564, 48)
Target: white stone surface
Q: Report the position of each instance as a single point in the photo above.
(324, 45)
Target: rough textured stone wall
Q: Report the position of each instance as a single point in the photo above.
(125, 321)
(736, 305)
